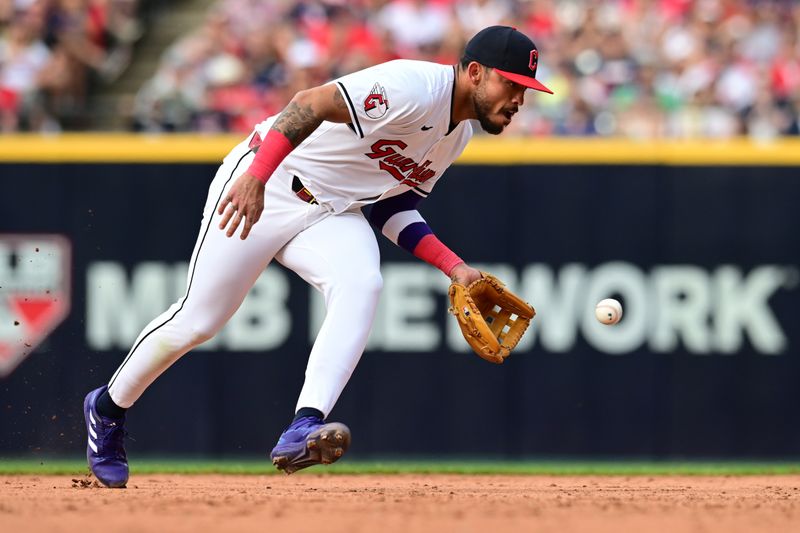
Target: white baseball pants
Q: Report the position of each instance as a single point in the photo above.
(335, 253)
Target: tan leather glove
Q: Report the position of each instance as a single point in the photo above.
(491, 317)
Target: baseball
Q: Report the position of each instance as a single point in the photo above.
(608, 311)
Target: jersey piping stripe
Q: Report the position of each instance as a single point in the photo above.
(352, 109)
(419, 191)
(191, 277)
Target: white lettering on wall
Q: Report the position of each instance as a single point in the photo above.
(119, 306)
(667, 308)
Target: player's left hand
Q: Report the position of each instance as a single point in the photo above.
(464, 274)
(491, 317)
(245, 200)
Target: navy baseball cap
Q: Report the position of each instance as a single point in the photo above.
(509, 52)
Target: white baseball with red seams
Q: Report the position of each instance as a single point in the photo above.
(608, 311)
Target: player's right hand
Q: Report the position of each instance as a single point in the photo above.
(244, 200)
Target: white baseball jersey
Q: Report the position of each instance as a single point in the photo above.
(398, 138)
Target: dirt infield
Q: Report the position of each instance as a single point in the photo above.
(402, 503)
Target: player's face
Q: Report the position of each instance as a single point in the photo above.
(496, 100)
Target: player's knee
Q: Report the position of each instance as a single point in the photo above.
(377, 280)
(372, 283)
(363, 283)
(200, 333)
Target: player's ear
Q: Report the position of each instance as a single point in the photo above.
(476, 72)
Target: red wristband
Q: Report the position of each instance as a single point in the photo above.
(431, 250)
(271, 152)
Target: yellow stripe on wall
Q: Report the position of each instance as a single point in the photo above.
(482, 150)
(559, 151)
(116, 148)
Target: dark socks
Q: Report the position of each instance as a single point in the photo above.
(106, 407)
(307, 411)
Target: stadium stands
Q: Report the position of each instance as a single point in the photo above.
(631, 68)
(50, 53)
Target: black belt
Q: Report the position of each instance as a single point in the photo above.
(300, 190)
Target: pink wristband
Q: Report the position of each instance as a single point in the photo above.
(431, 250)
(271, 152)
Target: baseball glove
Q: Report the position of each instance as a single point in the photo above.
(484, 310)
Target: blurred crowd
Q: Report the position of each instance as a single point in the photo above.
(633, 68)
(50, 53)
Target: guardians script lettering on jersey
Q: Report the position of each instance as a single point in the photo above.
(402, 168)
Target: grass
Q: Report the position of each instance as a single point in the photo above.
(16, 466)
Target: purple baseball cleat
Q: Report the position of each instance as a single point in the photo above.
(105, 449)
(310, 441)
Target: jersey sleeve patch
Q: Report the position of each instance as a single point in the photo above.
(376, 104)
(351, 108)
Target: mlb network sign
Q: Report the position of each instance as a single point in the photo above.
(34, 293)
(667, 307)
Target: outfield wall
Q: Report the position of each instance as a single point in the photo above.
(699, 241)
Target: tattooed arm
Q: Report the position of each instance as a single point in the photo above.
(308, 109)
(304, 114)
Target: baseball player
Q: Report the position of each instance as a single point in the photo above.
(294, 190)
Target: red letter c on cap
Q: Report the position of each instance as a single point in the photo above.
(534, 60)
